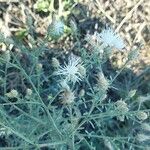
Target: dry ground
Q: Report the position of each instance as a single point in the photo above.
(131, 18)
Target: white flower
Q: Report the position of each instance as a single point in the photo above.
(110, 38)
(71, 71)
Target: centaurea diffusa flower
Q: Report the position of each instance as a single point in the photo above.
(112, 39)
(122, 108)
(71, 71)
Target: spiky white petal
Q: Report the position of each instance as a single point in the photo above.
(70, 71)
(110, 38)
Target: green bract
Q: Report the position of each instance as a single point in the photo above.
(56, 29)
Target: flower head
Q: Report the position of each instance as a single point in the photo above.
(67, 96)
(110, 38)
(71, 71)
(141, 115)
(55, 62)
(12, 94)
(56, 29)
(121, 107)
(102, 82)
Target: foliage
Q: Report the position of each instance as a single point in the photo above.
(74, 102)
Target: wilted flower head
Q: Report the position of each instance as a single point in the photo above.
(71, 71)
(68, 97)
(82, 93)
(102, 82)
(29, 92)
(110, 38)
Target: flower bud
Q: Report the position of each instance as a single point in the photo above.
(132, 93)
(39, 67)
(55, 62)
(28, 94)
(56, 29)
(102, 82)
(141, 115)
(82, 93)
(12, 94)
(122, 106)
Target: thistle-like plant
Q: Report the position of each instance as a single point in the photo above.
(50, 102)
